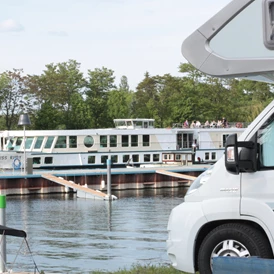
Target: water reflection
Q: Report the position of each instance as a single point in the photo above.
(73, 235)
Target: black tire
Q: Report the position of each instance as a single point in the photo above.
(246, 241)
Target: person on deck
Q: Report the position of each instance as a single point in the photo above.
(207, 123)
(198, 124)
(186, 124)
(224, 122)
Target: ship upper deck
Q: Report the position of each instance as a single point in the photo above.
(134, 123)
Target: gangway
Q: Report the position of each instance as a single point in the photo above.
(185, 177)
(82, 191)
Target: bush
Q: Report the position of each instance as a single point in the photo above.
(147, 269)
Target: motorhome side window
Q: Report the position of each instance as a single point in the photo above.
(266, 140)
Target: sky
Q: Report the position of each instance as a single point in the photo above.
(130, 37)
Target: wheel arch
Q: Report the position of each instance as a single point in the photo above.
(211, 225)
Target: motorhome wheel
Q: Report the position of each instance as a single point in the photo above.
(233, 240)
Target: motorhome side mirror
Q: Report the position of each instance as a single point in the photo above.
(231, 154)
(246, 160)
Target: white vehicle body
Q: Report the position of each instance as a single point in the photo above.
(234, 200)
(218, 196)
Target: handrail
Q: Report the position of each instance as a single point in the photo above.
(229, 125)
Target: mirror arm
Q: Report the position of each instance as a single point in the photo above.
(248, 144)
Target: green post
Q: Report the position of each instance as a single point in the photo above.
(3, 237)
(2, 201)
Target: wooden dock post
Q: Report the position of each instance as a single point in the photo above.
(109, 179)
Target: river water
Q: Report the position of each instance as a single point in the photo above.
(71, 235)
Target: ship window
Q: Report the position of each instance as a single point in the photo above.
(207, 156)
(113, 141)
(170, 157)
(48, 160)
(72, 141)
(91, 159)
(88, 141)
(36, 160)
(104, 159)
(18, 143)
(124, 140)
(134, 140)
(120, 123)
(167, 156)
(187, 140)
(213, 156)
(156, 157)
(61, 142)
(179, 141)
(10, 143)
(103, 141)
(135, 158)
(125, 158)
(138, 123)
(38, 142)
(49, 142)
(145, 140)
(147, 158)
(29, 142)
(114, 159)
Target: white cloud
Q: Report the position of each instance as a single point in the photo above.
(10, 25)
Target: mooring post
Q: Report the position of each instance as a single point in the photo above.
(109, 179)
(3, 237)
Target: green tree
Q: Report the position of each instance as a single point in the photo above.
(81, 113)
(15, 97)
(172, 106)
(146, 98)
(58, 84)
(124, 84)
(99, 83)
(47, 117)
(192, 93)
(119, 101)
(257, 95)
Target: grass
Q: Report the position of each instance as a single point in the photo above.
(140, 269)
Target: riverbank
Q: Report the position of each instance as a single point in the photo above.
(148, 269)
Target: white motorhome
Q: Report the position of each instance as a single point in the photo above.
(229, 209)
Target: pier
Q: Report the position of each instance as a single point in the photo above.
(187, 179)
(15, 182)
(82, 191)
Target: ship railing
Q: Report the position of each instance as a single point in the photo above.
(228, 125)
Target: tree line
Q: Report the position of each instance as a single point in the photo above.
(63, 98)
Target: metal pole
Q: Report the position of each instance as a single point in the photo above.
(109, 178)
(24, 151)
(3, 237)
